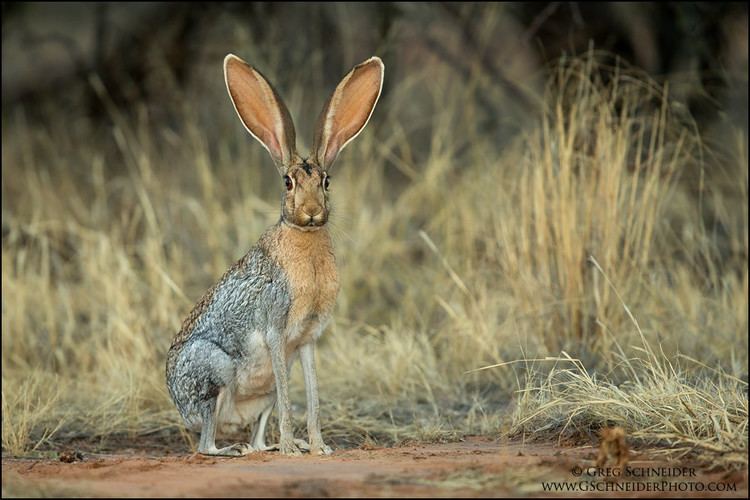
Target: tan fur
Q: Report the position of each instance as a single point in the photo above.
(307, 198)
(310, 266)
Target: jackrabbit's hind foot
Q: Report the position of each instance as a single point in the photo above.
(235, 450)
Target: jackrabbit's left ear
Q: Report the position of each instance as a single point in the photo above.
(347, 111)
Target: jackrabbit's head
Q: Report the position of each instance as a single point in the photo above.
(264, 115)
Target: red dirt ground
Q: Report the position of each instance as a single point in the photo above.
(476, 467)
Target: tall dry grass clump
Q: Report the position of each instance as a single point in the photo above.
(595, 180)
(459, 245)
(601, 204)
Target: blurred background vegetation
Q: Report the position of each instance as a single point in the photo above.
(539, 180)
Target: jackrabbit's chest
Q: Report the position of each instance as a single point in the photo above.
(309, 267)
(313, 285)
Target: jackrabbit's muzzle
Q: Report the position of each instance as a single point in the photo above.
(310, 217)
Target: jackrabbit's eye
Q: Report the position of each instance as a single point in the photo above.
(326, 182)
(288, 182)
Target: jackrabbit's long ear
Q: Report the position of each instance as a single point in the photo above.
(347, 111)
(261, 110)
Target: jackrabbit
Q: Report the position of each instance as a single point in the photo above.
(230, 361)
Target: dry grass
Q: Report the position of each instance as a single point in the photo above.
(659, 403)
(458, 248)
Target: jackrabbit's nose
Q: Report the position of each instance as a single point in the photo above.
(312, 218)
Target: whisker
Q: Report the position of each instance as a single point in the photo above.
(337, 233)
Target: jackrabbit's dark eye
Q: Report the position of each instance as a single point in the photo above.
(327, 182)
(288, 182)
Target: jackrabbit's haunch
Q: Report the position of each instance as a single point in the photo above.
(229, 364)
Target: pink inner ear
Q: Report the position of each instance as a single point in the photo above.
(354, 107)
(333, 149)
(255, 105)
(271, 143)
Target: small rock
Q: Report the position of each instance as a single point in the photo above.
(70, 456)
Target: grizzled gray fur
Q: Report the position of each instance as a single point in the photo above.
(253, 296)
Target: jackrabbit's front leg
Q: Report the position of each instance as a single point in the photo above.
(278, 360)
(307, 357)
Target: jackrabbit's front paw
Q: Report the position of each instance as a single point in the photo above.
(289, 447)
(320, 448)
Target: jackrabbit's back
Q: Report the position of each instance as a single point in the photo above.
(252, 293)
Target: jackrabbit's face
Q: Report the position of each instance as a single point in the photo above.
(305, 202)
(264, 115)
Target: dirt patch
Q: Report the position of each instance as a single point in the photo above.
(476, 467)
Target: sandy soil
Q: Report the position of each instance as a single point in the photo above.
(475, 467)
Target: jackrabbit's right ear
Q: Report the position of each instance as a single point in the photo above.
(261, 110)
(347, 111)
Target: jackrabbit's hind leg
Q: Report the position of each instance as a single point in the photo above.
(207, 446)
(258, 438)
